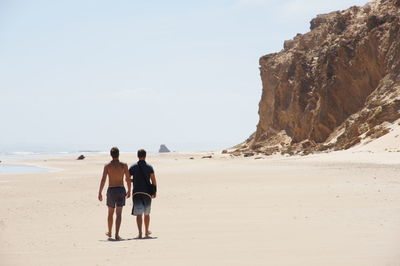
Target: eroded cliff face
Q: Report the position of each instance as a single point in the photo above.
(333, 86)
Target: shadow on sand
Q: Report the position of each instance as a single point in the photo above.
(110, 239)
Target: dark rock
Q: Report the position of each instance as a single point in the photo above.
(191, 158)
(288, 44)
(372, 22)
(207, 157)
(81, 157)
(163, 149)
(341, 23)
(248, 154)
(307, 144)
(224, 152)
(315, 22)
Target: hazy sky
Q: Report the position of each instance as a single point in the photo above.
(88, 75)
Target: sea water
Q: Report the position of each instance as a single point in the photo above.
(9, 161)
(21, 169)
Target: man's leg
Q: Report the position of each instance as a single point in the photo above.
(118, 222)
(110, 220)
(139, 221)
(147, 223)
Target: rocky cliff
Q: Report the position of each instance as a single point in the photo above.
(333, 87)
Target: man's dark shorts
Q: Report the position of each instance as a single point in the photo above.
(116, 197)
(141, 204)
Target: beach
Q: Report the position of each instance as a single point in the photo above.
(340, 208)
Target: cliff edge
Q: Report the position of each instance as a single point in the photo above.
(333, 87)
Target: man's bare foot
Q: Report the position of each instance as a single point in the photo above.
(148, 233)
(108, 234)
(139, 236)
(118, 237)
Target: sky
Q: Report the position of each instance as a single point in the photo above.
(91, 74)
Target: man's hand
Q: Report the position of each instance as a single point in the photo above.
(154, 196)
(100, 197)
(128, 194)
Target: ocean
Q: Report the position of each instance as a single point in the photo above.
(21, 169)
(9, 161)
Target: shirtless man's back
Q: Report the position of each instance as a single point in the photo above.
(116, 193)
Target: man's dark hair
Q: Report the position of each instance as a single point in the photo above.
(114, 152)
(141, 153)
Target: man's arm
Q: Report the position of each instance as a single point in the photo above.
(128, 181)
(102, 183)
(154, 182)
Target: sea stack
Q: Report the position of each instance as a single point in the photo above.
(163, 149)
(333, 87)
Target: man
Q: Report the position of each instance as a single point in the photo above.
(116, 193)
(142, 173)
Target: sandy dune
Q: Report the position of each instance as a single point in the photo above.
(330, 209)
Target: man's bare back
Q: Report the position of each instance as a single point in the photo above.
(116, 171)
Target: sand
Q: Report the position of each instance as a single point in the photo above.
(341, 208)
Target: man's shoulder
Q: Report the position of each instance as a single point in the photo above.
(133, 166)
(149, 166)
(113, 164)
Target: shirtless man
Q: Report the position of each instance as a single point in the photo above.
(116, 193)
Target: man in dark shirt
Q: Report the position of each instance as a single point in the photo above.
(142, 173)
